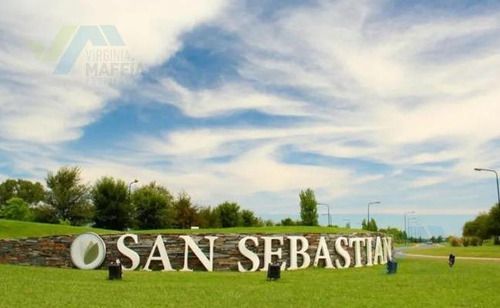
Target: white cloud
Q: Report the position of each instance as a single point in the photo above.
(38, 106)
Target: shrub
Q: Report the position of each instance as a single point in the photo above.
(45, 213)
(455, 241)
(475, 241)
(17, 209)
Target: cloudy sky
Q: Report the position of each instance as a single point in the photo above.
(252, 101)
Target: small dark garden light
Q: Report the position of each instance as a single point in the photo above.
(451, 260)
(115, 271)
(392, 267)
(274, 271)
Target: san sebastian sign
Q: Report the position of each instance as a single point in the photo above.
(241, 252)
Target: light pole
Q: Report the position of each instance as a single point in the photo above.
(376, 202)
(406, 230)
(329, 218)
(410, 227)
(130, 186)
(496, 174)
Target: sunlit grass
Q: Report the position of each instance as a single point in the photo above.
(418, 283)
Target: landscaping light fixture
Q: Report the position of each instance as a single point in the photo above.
(115, 271)
(274, 271)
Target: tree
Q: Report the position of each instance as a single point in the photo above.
(485, 225)
(370, 226)
(69, 196)
(26, 190)
(113, 209)
(17, 209)
(153, 207)
(308, 208)
(229, 214)
(209, 218)
(185, 213)
(248, 219)
(289, 222)
(45, 213)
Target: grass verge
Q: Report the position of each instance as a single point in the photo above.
(17, 229)
(418, 283)
(471, 251)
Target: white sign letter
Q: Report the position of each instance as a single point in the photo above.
(208, 264)
(357, 241)
(306, 259)
(269, 253)
(369, 242)
(163, 257)
(323, 253)
(342, 252)
(379, 255)
(127, 252)
(387, 248)
(248, 254)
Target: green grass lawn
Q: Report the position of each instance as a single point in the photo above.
(418, 283)
(17, 229)
(471, 251)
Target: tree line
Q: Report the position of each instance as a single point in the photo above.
(485, 226)
(110, 204)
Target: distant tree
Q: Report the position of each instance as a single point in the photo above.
(209, 217)
(45, 213)
(269, 223)
(477, 227)
(17, 209)
(185, 213)
(371, 226)
(153, 206)
(113, 209)
(69, 196)
(28, 191)
(248, 219)
(308, 208)
(485, 225)
(229, 214)
(289, 222)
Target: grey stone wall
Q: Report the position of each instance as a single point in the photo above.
(55, 250)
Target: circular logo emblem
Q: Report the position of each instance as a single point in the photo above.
(88, 251)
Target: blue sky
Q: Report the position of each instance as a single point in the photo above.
(252, 101)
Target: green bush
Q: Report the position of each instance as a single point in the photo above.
(455, 241)
(46, 214)
(466, 241)
(17, 209)
(475, 241)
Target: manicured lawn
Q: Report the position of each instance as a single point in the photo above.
(418, 283)
(16, 229)
(471, 251)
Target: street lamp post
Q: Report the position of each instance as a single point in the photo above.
(329, 218)
(376, 202)
(496, 174)
(130, 186)
(406, 230)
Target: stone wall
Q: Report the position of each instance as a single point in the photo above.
(55, 250)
